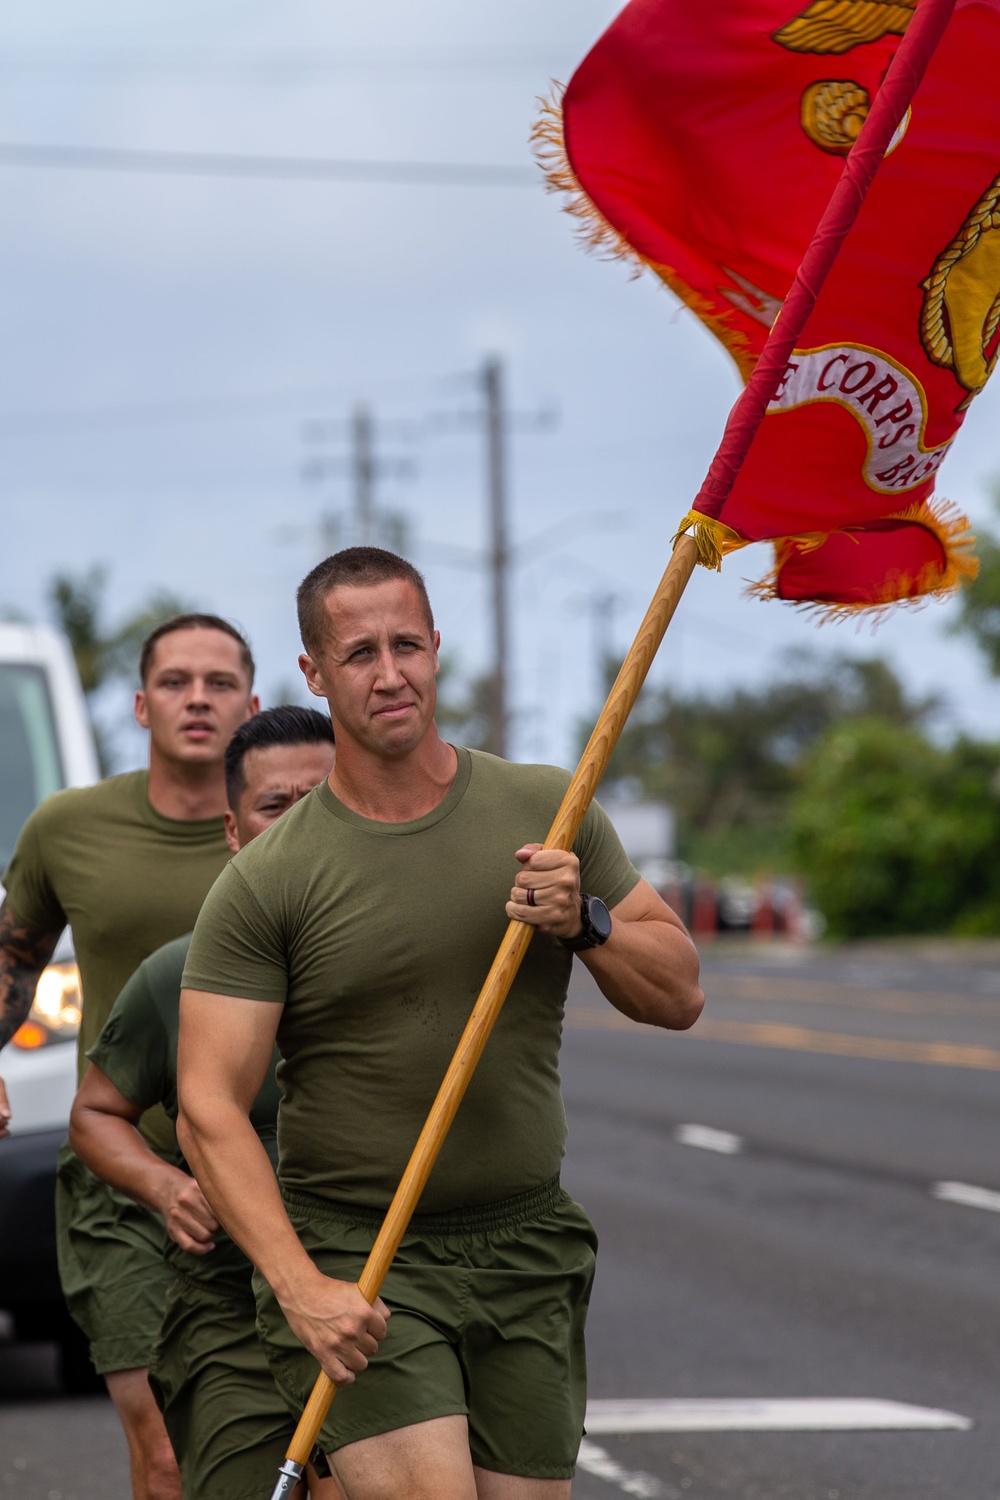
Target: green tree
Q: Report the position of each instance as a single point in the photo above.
(897, 835)
(727, 762)
(979, 603)
(463, 706)
(104, 653)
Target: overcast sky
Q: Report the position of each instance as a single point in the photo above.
(163, 341)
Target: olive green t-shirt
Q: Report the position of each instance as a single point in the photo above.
(137, 1051)
(376, 939)
(124, 877)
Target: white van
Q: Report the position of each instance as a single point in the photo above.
(46, 743)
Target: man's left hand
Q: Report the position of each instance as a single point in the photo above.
(546, 891)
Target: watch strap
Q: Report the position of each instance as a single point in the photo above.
(591, 935)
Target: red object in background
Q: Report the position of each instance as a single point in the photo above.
(704, 909)
(707, 141)
(765, 916)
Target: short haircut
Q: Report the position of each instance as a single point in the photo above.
(286, 725)
(193, 621)
(355, 567)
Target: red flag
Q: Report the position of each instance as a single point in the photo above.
(920, 551)
(707, 140)
(707, 149)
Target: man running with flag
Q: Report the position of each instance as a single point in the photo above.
(357, 932)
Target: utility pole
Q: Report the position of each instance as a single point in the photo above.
(495, 421)
(364, 524)
(363, 471)
(496, 475)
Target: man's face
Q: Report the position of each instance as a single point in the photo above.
(377, 667)
(277, 776)
(197, 693)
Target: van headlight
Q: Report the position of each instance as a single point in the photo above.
(56, 1011)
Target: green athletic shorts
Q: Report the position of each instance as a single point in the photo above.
(111, 1266)
(488, 1310)
(227, 1424)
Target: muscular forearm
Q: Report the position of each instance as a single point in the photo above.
(24, 952)
(225, 1049)
(103, 1131)
(232, 1167)
(647, 968)
(649, 971)
(113, 1149)
(331, 1318)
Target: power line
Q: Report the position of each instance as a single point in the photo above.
(233, 164)
(210, 408)
(155, 413)
(269, 64)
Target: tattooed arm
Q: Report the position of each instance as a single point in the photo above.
(24, 952)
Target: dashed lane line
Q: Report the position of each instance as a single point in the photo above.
(725, 1143)
(967, 1194)
(801, 1039)
(594, 1460)
(707, 1138)
(782, 990)
(798, 1414)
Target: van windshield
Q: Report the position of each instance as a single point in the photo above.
(30, 763)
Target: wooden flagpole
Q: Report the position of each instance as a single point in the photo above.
(902, 79)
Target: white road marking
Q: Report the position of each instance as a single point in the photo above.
(965, 1193)
(706, 1138)
(820, 1414)
(594, 1460)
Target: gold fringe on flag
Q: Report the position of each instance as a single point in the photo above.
(714, 538)
(899, 589)
(548, 139)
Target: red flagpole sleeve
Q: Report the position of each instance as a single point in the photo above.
(888, 110)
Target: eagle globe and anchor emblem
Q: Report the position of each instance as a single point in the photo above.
(836, 26)
(960, 318)
(833, 110)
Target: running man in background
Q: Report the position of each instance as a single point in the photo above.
(359, 932)
(127, 864)
(227, 1423)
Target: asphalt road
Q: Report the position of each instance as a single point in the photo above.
(808, 1257)
(815, 1260)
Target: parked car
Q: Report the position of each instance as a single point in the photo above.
(46, 743)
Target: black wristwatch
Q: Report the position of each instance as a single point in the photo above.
(596, 921)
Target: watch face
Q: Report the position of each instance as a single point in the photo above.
(598, 918)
